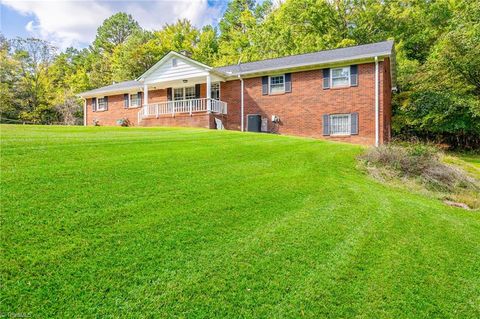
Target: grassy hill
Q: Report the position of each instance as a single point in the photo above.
(114, 222)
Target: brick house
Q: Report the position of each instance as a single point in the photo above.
(342, 94)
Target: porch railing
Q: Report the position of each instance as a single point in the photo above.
(182, 107)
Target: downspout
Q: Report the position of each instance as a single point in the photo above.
(377, 112)
(84, 112)
(241, 104)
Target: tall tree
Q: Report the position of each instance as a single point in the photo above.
(114, 31)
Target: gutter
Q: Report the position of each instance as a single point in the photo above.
(377, 111)
(84, 112)
(241, 104)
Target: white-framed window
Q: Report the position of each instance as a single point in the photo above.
(101, 104)
(276, 84)
(177, 94)
(340, 124)
(174, 62)
(190, 93)
(340, 77)
(215, 91)
(186, 93)
(134, 100)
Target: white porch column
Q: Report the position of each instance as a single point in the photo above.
(209, 93)
(145, 94)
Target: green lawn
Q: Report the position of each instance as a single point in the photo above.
(191, 223)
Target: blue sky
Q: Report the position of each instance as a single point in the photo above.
(74, 22)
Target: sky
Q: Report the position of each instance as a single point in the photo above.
(74, 23)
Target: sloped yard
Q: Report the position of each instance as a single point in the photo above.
(118, 222)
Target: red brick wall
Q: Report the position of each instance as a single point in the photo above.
(181, 120)
(117, 111)
(301, 110)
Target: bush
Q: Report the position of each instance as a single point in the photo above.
(418, 161)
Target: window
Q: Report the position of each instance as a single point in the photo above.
(187, 93)
(101, 104)
(277, 84)
(174, 62)
(340, 124)
(134, 100)
(215, 91)
(177, 94)
(340, 77)
(190, 93)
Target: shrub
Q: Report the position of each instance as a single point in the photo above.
(418, 161)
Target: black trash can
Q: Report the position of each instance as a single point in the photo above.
(254, 123)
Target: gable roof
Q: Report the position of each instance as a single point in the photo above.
(115, 87)
(379, 49)
(166, 57)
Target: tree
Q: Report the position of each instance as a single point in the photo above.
(34, 57)
(238, 32)
(114, 31)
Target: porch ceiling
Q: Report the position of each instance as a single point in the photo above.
(190, 81)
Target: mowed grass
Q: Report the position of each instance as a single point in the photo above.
(191, 223)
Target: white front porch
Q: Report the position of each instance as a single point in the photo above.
(190, 106)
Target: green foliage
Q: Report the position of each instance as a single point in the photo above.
(114, 31)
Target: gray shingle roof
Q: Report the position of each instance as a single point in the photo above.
(328, 56)
(120, 86)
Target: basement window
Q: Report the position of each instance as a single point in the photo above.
(340, 124)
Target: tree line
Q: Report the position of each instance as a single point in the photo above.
(437, 47)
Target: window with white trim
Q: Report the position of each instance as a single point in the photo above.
(277, 83)
(101, 104)
(187, 93)
(174, 62)
(215, 91)
(340, 124)
(134, 100)
(177, 94)
(190, 93)
(340, 77)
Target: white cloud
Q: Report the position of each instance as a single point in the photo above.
(74, 23)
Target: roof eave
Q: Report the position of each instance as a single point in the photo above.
(302, 65)
(90, 94)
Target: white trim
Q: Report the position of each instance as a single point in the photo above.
(84, 112)
(321, 65)
(242, 120)
(269, 84)
(184, 92)
(130, 101)
(219, 89)
(349, 75)
(377, 111)
(145, 94)
(165, 58)
(349, 115)
(104, 108)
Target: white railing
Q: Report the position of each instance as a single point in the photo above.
(182, 106)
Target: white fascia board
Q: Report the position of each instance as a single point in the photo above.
(323, 63)
(166, 57)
